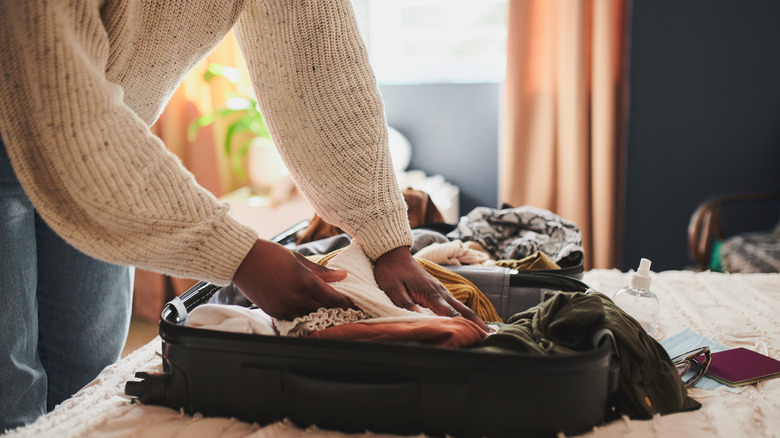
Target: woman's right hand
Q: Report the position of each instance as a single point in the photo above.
(285, 284)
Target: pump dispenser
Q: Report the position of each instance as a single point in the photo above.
(637, 300)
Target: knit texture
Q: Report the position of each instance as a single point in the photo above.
(321, 319)
(463, 290)
(84, 79)
(458, 286)
(455, 253)
(324, 109)
(364, 292)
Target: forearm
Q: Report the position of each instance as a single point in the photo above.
(325, 113)
(89, 164)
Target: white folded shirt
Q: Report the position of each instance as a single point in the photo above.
(231, 318)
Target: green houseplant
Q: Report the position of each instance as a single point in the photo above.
(246, 132)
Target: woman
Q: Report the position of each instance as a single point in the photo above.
(86, 190)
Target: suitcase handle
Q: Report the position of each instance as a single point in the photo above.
(546, 280)
(401, 393)
(605, 338)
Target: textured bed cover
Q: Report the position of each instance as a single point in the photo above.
(737, 310)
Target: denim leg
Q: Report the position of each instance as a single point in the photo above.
(64, 316)
(22, 378)
(84, 307)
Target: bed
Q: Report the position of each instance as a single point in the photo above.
(735, 310)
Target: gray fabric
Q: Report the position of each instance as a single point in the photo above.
(515, 233)
(322, 246)
(752, 252)
(423, 238)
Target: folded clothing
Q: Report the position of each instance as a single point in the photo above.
(374, 308)
(361, 288)
(454, 253)
(458, 286)
(231, 318)
(565, 322)
(455, 332)
(537, 261)
(515, 233)
(750, 253)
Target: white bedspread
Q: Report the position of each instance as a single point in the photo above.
(738, 310)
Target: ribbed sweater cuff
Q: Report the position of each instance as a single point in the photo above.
(385, 233)
(233, 241)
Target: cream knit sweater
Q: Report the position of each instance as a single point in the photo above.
(83, 80)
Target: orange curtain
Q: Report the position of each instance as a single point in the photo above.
(564, 115)
(203, 157)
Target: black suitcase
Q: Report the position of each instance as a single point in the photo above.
(380, 387)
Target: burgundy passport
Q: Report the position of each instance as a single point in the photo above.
(740, 366)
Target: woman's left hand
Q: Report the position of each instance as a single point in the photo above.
(408, 285)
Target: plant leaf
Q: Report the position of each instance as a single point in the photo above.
(241, 125)
(223, 71)
(205, 120)
(237, 165)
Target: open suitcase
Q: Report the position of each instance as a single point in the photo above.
(380, 387)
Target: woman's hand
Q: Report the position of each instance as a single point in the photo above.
(407, 284)
(286, 284)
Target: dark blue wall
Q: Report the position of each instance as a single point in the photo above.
(453, 129)
(704, 118)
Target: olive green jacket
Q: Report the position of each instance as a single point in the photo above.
(565, 323)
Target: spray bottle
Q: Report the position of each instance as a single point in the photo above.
(637, 300)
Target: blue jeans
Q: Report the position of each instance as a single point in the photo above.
(64, 316)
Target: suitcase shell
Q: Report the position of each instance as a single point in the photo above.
(511, 291)
(379, 387)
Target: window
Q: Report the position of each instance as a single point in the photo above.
(434, 41)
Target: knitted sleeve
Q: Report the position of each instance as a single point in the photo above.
(89, 165)
(318, 93)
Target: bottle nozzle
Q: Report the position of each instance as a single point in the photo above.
(641, 279)
(644, 267)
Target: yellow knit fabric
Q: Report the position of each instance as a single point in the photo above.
(459, 287)
(463, 290)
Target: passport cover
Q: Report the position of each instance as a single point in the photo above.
(740, 366)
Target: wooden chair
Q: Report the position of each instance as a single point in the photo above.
(706, 227)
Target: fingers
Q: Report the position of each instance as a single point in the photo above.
(437, 299)
(331, 299)
(324, 273)
(440, 306)
(307, 297)
(407, 284)
(285, 285)
(323, 294)
(400, 297)
(466, 312)
(447, 305)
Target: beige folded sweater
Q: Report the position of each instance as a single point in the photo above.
(83, 80)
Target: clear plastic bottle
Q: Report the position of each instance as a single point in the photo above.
(637, 300)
